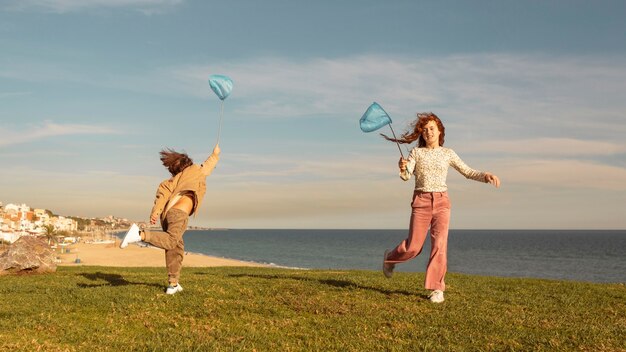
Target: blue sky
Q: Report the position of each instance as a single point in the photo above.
(532, 91)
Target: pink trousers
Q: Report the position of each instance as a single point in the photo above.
(430, 210)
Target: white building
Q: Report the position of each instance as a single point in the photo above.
(23, 208)
(64, 224)
(9, 236)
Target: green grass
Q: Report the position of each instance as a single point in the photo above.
(264, 309)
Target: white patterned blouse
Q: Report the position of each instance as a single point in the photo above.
(430, 167)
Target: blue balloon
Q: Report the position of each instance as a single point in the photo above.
(374, 118)
(221, 85)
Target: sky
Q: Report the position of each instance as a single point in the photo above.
(532, 91)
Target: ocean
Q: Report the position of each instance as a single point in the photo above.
(579, 255)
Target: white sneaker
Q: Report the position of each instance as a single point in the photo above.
(436, 296)
(131, 236)
(173, 289)
(387, 267)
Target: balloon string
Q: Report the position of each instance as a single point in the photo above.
(219, 131)
(398, 144)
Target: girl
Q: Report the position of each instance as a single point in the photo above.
(176, 199)
(429, 162)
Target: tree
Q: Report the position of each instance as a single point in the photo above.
(50, 233)
(4, 243)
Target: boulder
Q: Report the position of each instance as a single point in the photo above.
(28, 255)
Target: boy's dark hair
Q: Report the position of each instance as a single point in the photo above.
(174, 161)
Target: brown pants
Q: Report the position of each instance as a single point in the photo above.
(171, 240)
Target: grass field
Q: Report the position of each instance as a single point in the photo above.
(265, 309)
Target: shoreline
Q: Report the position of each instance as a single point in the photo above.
(109, 254)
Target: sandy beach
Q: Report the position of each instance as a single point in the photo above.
(133, 256)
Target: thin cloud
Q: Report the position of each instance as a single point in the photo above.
(285, 88)
(559, 174)
(8, 95)
(503, 92)
(120, 194)
(548, 147)
(244, 167)
(147, 7)
(309, 200)
(500, 93)
(50, 129)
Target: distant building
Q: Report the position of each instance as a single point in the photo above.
(41, 214)
(17, 208)
(62, 223)
(9, 236)
(19, 219)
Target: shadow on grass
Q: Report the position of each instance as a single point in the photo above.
(329, 282)
(111, 279)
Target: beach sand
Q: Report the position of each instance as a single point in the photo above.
(134, 256)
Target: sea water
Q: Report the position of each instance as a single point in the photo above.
(581, 255)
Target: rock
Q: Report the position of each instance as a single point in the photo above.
(28, 255)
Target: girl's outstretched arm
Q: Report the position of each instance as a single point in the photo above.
(493, 179)
(209, 164)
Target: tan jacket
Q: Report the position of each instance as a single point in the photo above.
(191, 179)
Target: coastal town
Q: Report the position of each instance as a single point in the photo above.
(17, 220)
(76, 241)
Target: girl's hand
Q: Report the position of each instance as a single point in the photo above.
(217, 149)
(153, 219)
(402, 164)
(493, 179)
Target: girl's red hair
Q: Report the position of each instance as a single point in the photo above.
(417, 127)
